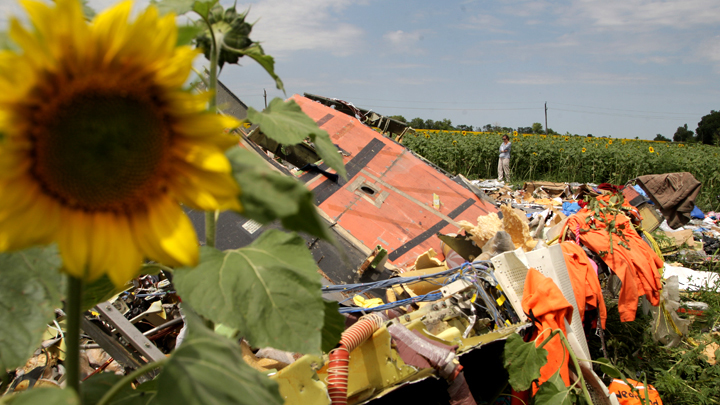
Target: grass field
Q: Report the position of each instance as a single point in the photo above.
(570, 158)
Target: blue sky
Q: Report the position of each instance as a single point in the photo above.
(621, 68)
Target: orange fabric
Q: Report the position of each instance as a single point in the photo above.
(548, 305)
(625, 396)
(585, 283)
(637, 267)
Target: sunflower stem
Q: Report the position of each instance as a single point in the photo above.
(210, 228)
(73, 311)
(211, 216)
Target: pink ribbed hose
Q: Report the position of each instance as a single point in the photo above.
(353, 337)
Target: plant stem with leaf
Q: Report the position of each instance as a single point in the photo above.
(109, 394)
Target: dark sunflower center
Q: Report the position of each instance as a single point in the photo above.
(101, 152)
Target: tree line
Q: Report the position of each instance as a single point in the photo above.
(707, 131)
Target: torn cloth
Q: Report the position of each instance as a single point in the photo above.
(549, 309)
(637, 267)
(673, 194)
(585, 282)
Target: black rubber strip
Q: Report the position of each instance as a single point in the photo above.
(311, 174)
(395, 254)
(325, 119)
(327, 188)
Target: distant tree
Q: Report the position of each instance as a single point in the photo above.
(661, 138)
(589, 135)
(488, 128)
(464, 127)
(537, 128)
(417, 123)
(525, 130)
(444, 125)
(683, 134)
(430, 124)
(399, 118)
(551, 132)
(708, 129)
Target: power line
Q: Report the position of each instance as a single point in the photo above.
(655, 117)
(624, 110)
(438, 102)
(451, 109)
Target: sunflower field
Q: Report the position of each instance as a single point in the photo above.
(569, 158)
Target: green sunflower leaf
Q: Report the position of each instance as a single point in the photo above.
(209, 369)
(30, 286)
(187, 33)
(333, 326)
(554, 392)
(523, 362)
(45, 396)
(266, 61)
(203, 8)
(96, 386)
(286, 123)
(268, 290)
(268, 195)
(178, 7)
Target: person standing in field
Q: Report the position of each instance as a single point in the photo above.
(504, 159)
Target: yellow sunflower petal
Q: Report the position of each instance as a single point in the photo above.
(221, 186)
(126, 257)
(202, 125)
(101, 244)
(209, 158)
(34, 50)
(110, 29)
(176, 71)
(34, 224)
(17, 194)
(189, 190)
(165, 234)
(73, 241)
(69, 32)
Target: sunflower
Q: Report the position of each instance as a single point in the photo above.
(584, 150)
(651, 149)
(567, 138)
(464, 133)
(610, 142)
(101, 142)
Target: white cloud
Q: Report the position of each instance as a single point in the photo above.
(595, 78)
(285, 26)
(405, 42)
(641, 15)
(485, 22)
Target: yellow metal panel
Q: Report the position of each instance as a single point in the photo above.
(300, 384)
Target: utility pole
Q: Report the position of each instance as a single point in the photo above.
(265, 95)
(546, 131)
